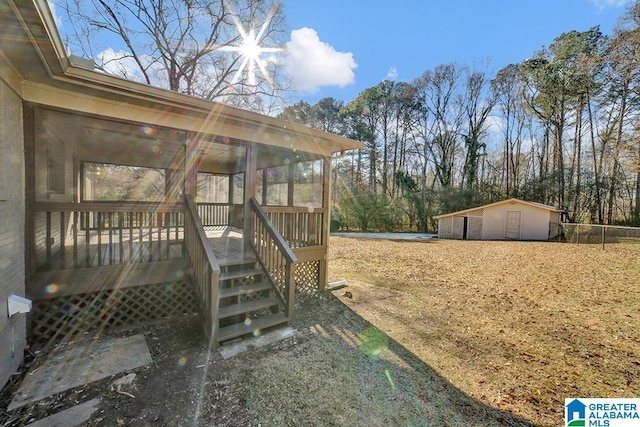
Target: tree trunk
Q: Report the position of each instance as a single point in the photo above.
(616, 151)
(636, 212)
(596, 169)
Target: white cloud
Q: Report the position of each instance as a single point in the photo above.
(603, 4)
(392, 74)
(119, 63)
(311, 63)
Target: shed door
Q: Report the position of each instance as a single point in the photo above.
(512, 228)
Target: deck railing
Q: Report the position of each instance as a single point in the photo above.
(220, 215)
(301, 227)
(275, 255)
(205, 267)
(94, 234)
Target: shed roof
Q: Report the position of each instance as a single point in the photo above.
(512, 200)
(41, 72)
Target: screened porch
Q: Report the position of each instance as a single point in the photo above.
(109, 206)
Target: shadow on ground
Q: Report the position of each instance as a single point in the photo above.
(339, 370)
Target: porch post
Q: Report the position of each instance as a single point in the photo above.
(250, 175)
(191, 161)
(326, 220)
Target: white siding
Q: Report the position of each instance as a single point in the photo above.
(534, 221)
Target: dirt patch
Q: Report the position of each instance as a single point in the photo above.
(337, 370)
(518, 325)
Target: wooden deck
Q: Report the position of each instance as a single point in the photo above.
(227, 245)
(127, 262)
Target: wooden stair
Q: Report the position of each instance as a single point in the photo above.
(247, 302)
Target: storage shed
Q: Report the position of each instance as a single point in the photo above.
(511, 219)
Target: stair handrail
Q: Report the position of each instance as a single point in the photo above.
(206, 270)
(269, 261)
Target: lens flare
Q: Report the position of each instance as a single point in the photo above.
(372, 342)
(148, 130)
(52, 288)
(251, 52)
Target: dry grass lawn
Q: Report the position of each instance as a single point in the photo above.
(516, 325)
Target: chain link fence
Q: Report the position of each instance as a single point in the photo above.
(599, 234)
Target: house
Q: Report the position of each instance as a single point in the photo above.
(511, 219)
(230, 217)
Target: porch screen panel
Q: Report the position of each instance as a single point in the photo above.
(123, 183)
(308, 183)
(236, 210)
(55, 167)
(259, 186)
(277, 185)
(238, 189)
(212, 188)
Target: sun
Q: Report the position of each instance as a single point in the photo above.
(251, 52)
(250, 48)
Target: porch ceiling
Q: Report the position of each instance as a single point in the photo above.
(100, 140)
(107, 141)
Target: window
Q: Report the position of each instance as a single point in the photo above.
(308, 183)
(104, 181)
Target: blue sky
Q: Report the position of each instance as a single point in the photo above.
(362, 42)
(339, 48)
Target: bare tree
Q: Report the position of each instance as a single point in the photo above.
(623, 77)
(213, 49)
(440, 119)
(506, 88)
(477, 102)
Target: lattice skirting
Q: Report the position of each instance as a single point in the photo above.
(64, 318)
(308, 277)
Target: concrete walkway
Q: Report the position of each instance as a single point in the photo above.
(81, 363)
